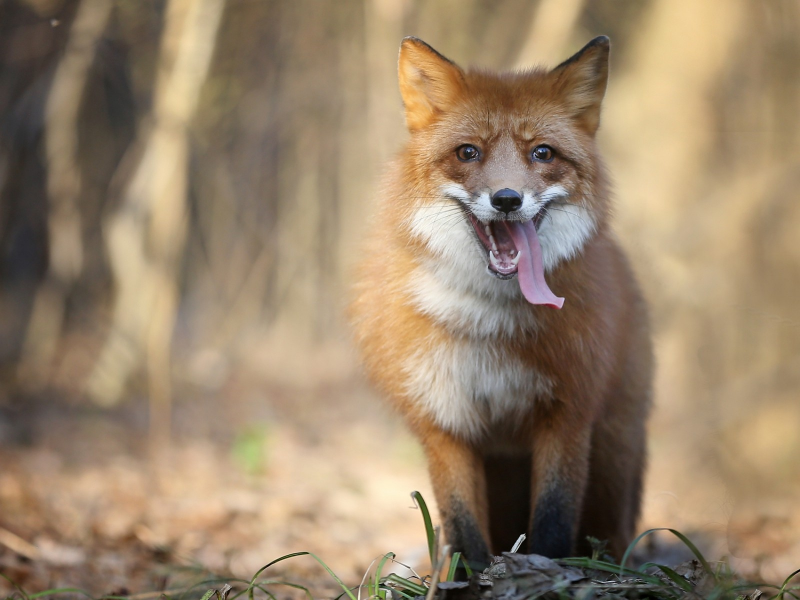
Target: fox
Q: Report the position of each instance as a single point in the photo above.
(496, 311)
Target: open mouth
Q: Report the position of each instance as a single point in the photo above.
(513, 249)
(499, 243)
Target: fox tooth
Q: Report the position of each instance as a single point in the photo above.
(493, 259)
(515, 259)
(487, 230)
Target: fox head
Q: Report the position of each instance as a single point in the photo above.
(502, 167)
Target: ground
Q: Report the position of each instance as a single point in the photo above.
(253, 472)
(246, 480)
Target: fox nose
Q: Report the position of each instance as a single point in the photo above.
(506, 200)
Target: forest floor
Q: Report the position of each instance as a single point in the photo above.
(253, 473)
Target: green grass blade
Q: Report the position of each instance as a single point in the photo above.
(267, 566)
(416, 588)
(467, 568)
(693, 548)
(293, 555)
(681, 582)
(58, 591)
(15, 586)
(419, 501)
(607, 567)
(687, 542)
(356, 588)
(296, 586)
(396, 592)
(786, 581)
(728, 591)
(334, 575)
(451, 572)
(378, 570)
(633, 544)
(719, 591)
(267, 593)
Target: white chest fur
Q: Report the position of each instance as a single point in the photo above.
(467, 385)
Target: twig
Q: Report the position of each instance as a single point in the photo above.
(16, 544)
(437, 568)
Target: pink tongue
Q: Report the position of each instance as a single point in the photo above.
(530, 270)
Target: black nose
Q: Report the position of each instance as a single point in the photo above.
(506, 200)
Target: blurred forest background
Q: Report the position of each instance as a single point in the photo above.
(183, 186)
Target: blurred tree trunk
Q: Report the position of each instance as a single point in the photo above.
(63, 190)
(146, 235)
(551, 28)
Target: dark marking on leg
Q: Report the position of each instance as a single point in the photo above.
(553, 525)
(464, 536)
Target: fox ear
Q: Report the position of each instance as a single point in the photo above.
(581, 81)
(429, 83)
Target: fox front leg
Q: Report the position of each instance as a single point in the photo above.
(459, 485)
(559, 480)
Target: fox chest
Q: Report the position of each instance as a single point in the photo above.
(470, 387)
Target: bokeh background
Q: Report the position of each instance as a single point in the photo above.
(183, 187)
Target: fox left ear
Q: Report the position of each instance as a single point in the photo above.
(581, 81)
(429, 82)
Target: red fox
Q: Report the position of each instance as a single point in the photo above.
(494, 214)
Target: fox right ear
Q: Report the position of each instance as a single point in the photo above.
(429, 83)
(582, 81)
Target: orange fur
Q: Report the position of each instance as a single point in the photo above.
(483, 377)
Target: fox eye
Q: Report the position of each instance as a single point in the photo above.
(467, 153)
(542, 153)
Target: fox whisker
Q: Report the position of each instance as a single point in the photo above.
(566, 212)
